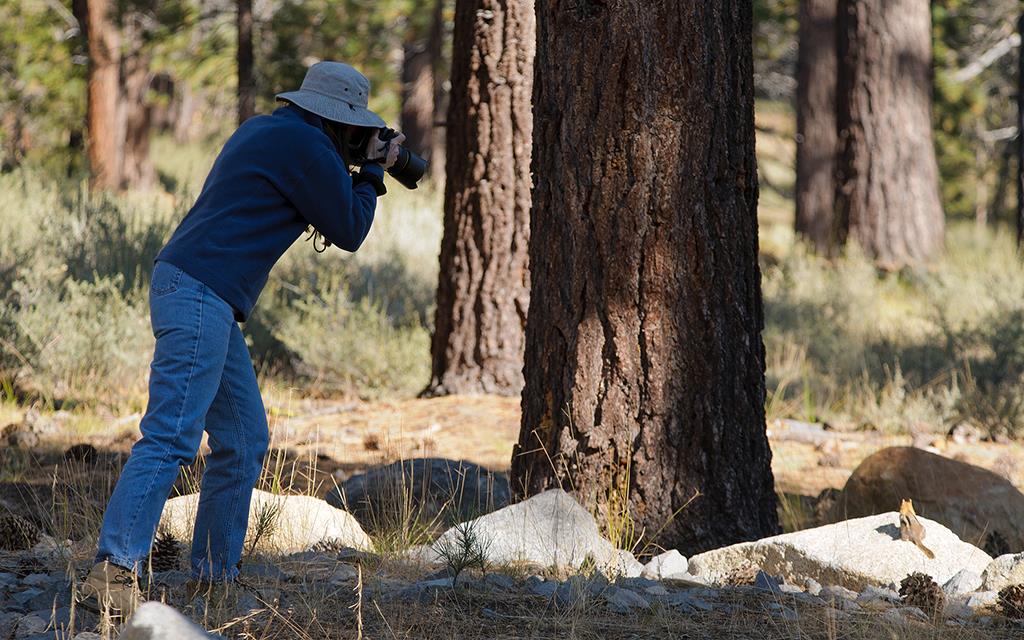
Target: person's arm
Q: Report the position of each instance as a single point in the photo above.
(325, 196)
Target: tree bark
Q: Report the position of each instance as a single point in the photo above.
(104, 134)
(483, 289)
(644, 361)
(887, 194)
(244, 57)
(816, 123)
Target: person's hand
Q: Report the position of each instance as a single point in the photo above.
(386, 153)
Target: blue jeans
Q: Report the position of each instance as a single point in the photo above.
(201, 378)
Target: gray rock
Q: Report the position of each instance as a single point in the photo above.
(765, 582)
(8, 579)
(836, 592)
(298, 523)
(343, 574)
(499, 581)
(853, 554)
(688, 603)
(982, 600)
(624, 600)
(264, 571)
(964, 581)
(1004, 570)
(26, 595)
(663, 565)
(657, 591)
(538, 586)
(37, 580)
(455, 490)
(87, 635)
(877, 598)
(29, 625)
(576, 590)
(155, 621)
(550, 530)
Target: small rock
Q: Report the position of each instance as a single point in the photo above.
(836, 592)
(623, 600)
(540, 587)
(343, 573)
(155, 621)
(87, 635)
(29, 625)
(171, 579)
(499, 581)
(264, 571)
(37, 580)
(812, 586)
(572, 591)
(965, 581)
(666, 564)
(656, 590)
(982, 600)
(765, 582)
(791, 589)
(878, 599)
(26, 595)
(687, 603)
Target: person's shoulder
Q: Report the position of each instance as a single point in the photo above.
(293, 132)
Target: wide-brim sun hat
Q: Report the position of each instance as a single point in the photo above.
(335, 91)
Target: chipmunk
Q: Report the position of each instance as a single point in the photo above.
(911, 528)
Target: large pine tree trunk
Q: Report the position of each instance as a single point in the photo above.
(244, 57)
(105, 134)
(483, 289)
(887, 195)
(644, 361)
(816, 123)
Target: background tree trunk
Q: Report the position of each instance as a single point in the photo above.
(816, 123)
(417, 116)
(483, 289)
(104, 134)
(136, 115)
(244, 57)
(887, 194)
(644, 361)
(439, 72)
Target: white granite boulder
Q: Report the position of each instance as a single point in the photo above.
(665, 565)
(286, 524)
(854, 554)
(156, 621)
(550, 530)
(1004, 570)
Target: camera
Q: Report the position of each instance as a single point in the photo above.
(408, 168)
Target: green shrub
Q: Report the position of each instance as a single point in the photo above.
(351, 347)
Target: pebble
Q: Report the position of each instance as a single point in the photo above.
(812, 586)
(37, 580)
(765, 582)
(666, 564)
(343, 574)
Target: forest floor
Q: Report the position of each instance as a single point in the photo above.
(317, 443)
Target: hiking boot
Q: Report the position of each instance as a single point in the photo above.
(110, 588)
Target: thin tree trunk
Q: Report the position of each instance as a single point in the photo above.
(137, 170)
(1020, 133)
(644, 361)
(483, 290)
(246, 85)
(435, 48)
(816, 123)
(105, 136)
(417, 116)
(887, 194)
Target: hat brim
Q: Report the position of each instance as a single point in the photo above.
(333, 109)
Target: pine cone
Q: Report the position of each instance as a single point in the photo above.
(1011, 601)
(17, 533)
(919, 590)
(165, 554)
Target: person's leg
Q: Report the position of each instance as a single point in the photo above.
(237, 426)
(192, 328)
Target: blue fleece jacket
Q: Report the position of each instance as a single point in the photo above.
(276, 174)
